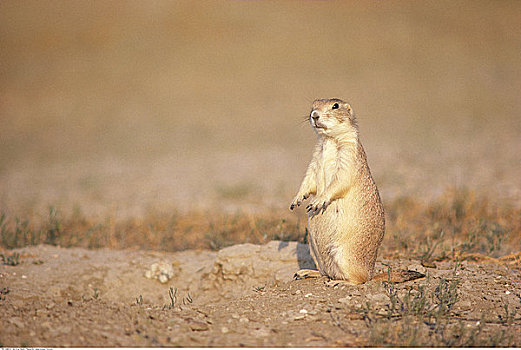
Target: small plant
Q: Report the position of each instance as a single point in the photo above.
(188, 299)
(416, 313)
(172, 294)
(54, 227)
(3, 293)
(494, 235)
(96, 294)
(509, 315)
(11, 260)
(431, 246)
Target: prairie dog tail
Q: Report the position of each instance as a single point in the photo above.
(398, 276)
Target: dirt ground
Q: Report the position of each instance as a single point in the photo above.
(163, 129)
(244, 295)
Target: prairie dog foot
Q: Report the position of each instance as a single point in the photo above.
(306, 273)
(334, 283)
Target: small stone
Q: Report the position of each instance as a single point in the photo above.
(24, 276)
(429, 264)
(308, 295)
(244, 320)
(235, 316)
(379, 297)
(346, 300)
(197, 326)
(261, 332)
(162, 271)
(507, 292)
(417, 267)
(17, 321)
(163, 278)
(465, 304)
(224, 330)
(303, 311)
(298, 292)
(300, 317)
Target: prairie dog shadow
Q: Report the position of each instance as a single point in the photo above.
(304, 258)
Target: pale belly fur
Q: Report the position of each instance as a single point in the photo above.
(337, 236)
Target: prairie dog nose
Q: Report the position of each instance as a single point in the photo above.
(315, 115)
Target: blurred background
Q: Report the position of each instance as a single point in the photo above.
(127, 107)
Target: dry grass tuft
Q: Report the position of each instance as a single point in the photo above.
(455, 224)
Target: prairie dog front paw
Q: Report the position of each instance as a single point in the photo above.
(297, 201)
(317, 205)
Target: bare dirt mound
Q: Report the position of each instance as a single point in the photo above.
(244, 295)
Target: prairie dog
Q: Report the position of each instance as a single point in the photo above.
(345, 216)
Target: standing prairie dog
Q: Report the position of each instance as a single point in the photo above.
(345, 216)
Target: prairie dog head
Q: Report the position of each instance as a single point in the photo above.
(333, 117)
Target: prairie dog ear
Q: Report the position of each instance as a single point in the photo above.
(349, 109)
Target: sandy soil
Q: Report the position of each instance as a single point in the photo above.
(240, 296)
(135, 110)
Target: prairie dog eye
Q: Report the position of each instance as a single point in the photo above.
(335, 106)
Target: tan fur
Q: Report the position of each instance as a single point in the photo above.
(345, 216)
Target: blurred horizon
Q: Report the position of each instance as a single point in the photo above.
(132, 106)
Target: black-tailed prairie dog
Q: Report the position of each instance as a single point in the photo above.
(345, 214)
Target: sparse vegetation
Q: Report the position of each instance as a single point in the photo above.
(455, 224)
(95, 293)
(3, 293)
(422, 315)
(172, 294)
(11, 259)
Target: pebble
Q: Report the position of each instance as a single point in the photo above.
(303, 311)
(308, 295)
(345, 300)
(162, 271)
(465, 304)
(507, 292)
(244, 320)
(225, 330)
(417, 267)
(17, 321)
(261, 332)
(198, 326)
